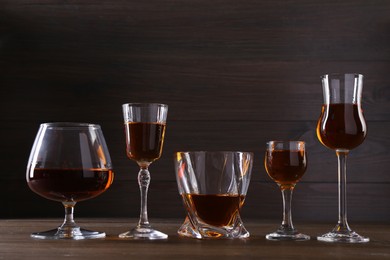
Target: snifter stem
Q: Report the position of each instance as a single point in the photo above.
(69, 220)
(143, 182)
(69, 229)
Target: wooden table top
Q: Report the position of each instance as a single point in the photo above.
(15, 242)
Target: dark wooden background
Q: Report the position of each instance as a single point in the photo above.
(235, 74)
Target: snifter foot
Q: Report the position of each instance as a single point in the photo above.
(144, 233)
(75, 233)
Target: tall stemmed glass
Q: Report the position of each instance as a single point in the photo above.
(341, 127)
(285, 162)
(145, 130)
(69, 162)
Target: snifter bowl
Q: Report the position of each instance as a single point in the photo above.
(213, 186)
(69, 162)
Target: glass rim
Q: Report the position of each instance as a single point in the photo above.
(341, 74)
(144, 104)
(213, 152)
(68, 125)
(285, 141)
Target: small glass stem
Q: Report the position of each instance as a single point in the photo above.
(69, 220)
(287, 217)
(342, 190)
(143, 182)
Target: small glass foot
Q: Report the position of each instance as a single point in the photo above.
(294, 235)
(75, 233)
(144, 233)
(343, 237)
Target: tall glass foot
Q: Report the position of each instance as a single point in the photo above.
(343, 234)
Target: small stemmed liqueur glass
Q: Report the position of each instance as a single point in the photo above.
(145, 130)
(342, 127)
(69, 162)
(285, 162)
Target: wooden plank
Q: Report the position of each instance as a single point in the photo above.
(16, 243)
(249, 91)
(295, 29)
(198, 62)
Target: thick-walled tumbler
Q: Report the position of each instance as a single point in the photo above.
(213, 186)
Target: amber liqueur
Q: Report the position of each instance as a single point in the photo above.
(215, 209)
(285, 166)
(70, 184)
(341, 126)
(144, 140)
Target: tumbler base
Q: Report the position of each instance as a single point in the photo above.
(211, 232)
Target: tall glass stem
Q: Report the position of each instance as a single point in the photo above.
(287, 224)
(342, 224)
(143, 182)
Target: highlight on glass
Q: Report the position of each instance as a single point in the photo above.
(69, 162)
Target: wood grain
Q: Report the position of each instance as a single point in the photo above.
(234, 74)
(15, 242)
